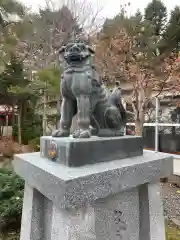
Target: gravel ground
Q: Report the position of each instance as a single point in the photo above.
(171, 199)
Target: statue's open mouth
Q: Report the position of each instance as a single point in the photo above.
(73, 57)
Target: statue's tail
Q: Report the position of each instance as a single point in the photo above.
(115, 99)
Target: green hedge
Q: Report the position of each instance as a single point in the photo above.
(35, 143)
(11, 200)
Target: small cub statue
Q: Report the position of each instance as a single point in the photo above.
(99, 111)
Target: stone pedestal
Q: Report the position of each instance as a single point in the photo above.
(111, 200)
(74, 152)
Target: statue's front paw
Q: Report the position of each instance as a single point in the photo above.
(94, 131)
(76, 134)
(60, 133)
(82, 134)
(85, 134)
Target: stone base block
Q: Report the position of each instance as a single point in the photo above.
(104, 201)
(78, 152)
(75, 186)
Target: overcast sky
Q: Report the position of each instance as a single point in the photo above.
(110, 7)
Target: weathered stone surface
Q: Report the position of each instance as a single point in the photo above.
(112, 200)
(151, 219)
(117, 217)
(78, 152)
(32, 226)
(75, 187)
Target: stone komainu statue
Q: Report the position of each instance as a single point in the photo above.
(85, 95)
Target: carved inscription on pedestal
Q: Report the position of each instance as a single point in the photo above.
(120, 224)
(117, 217)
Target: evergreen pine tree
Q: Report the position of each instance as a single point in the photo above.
(156, 13)
(171, 36)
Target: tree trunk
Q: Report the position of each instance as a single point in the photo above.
(13, 115)
(7, 124)
(138, 128)
(173, 129)
(58, 113)
(1, 127)
(19, 124)
(44, 124)
(139, 124)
